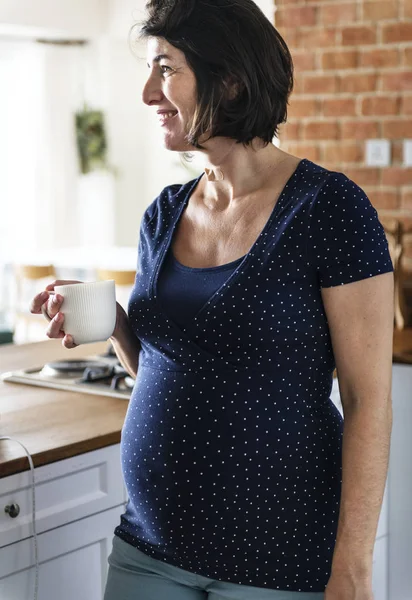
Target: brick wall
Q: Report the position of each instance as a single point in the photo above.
(353, 81)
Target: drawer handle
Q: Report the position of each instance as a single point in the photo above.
(13, 510)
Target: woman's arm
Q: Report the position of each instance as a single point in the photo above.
(125, 343)
(360, 317)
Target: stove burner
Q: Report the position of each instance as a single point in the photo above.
(71, 367)
(115, 376)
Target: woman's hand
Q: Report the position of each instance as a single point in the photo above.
(49, 304)
(346, 587)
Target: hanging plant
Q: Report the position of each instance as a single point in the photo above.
(91, 140)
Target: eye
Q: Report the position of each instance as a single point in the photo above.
(165, 68)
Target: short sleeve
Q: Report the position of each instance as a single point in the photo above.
(346, 241)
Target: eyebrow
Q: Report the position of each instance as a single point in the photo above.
(160, 57)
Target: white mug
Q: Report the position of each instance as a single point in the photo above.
(89, 310)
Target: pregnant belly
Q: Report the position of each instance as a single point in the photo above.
(196, 446)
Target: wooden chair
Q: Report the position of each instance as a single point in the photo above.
(120, 277)
(30, 280)
(394, 235)
(124, 281)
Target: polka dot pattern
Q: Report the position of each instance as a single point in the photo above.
(231, 447)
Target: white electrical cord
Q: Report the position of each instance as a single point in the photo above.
(36, 554)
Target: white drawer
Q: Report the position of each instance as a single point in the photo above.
(65, 491)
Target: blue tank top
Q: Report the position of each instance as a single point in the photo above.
(231, 446)
(184, 290)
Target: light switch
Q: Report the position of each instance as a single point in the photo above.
(378, 153)
(407, 153)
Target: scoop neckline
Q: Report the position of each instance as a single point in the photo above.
(224, 267)
(243, 262)
(238, 261)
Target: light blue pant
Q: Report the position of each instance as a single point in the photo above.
(135, 576)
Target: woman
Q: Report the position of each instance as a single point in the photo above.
(254, 281)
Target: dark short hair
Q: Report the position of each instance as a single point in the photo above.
(229, 45)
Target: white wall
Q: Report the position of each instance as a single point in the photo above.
(75, 17)
(145, 167)
(114, 78)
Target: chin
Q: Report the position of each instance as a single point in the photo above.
(176, 144)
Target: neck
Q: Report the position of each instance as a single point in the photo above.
(233, 171)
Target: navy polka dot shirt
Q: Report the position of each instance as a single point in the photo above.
(231, 447)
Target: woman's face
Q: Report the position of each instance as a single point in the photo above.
(171, 90)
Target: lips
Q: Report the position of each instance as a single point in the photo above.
(166, 115)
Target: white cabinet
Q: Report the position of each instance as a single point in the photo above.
(73, 561)
(78, 504)
(400, 486)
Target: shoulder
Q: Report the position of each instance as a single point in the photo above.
(164, 206)
(169, 199)
(334, 191)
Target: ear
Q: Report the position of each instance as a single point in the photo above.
(232, 88)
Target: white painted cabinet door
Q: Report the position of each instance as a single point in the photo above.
(73, 561)
(400, 486)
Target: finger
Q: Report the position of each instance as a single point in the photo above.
(68, 342)
(54, 304)
(51, 286)
(54, 329)
(37, 302)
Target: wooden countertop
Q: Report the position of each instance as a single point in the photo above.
(54, 424)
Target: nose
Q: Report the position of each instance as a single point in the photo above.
(152, 93)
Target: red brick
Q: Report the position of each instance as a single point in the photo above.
(383, 199)
(363, 176)
(340, 59)
(397, 129)
(339, 107)
(337, 13)
(310, 151)
(407, 56)
(380, 105)
(319, 84)
(343, 152)
(397, 32)
(406, 199)
(376, 11)
(300, 107)
(360, 35)
(379, 57)
(406, 105)
(290, 130)
(320, 130)
(361, 82)
(316, 38)
(397, 153)
(331, 166)
(298, 87)
(360, 130)
(290, 35)
(296, 16)
(304, 60)
(396, 176)
(407, 8)
(401, 80)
